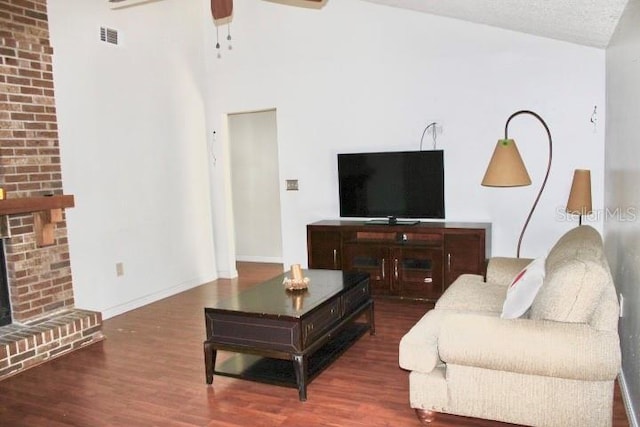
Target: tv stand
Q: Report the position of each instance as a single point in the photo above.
(417, 261)
(392, 220)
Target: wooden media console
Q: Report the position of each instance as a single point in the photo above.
(406, 261)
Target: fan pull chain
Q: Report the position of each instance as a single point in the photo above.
(218, 43)
(229, 35)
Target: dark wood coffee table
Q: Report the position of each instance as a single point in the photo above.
(288, 337)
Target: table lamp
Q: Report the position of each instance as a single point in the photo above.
(579, 202)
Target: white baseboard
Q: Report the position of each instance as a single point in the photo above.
(227, 274)
(267, 259)
(148, 299)
(628, 403)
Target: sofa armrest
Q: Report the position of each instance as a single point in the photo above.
(501, 271)
(534, 347)
(418, 350)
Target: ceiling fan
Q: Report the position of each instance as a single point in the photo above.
(222, 9)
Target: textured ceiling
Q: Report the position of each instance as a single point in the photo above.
(585, 22)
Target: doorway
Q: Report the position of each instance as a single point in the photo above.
(255, 189)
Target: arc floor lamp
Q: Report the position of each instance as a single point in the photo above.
(506, 168)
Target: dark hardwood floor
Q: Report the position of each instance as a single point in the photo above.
(150, 372)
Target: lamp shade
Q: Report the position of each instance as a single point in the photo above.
(580, 196)
(506, 168)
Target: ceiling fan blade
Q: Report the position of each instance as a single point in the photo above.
(222, 8)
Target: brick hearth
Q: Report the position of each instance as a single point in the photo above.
(46, 322)
(24, 346)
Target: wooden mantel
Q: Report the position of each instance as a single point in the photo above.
(21, 205)
(47, 210)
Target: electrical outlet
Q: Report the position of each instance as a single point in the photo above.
(292, 185)
(119, 269)
(621, 305)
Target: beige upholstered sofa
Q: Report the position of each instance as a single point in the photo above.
(554, 366)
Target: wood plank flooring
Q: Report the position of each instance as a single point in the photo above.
(150, 372)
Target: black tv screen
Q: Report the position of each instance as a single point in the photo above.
(402, 184)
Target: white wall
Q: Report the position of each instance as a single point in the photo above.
(134, 150)
(622, 184)
(355, 76)
(351, 76)
(255, 186)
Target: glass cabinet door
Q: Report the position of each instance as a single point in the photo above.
(418, 272)
(372, 259)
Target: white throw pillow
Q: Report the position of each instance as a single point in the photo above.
(523, 289)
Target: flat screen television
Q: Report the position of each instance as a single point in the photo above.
(391, 185)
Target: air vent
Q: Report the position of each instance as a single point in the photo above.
(109, 35)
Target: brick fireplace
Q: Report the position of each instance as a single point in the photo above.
(45, 322)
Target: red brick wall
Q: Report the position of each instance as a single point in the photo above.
(39, 278)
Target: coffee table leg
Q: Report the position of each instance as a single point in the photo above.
(371, 320)
(209, 360)
(300, 366)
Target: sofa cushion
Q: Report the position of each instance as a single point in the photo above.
(533, 347)
(469, 292)
(576, 276)
(523, 289)
(571, 291)
(502, 270)
(579, 242)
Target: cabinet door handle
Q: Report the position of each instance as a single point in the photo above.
(335, 258)
(395, 268)
(449, 262)
(384, 267)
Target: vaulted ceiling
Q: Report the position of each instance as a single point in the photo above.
(585, 22)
